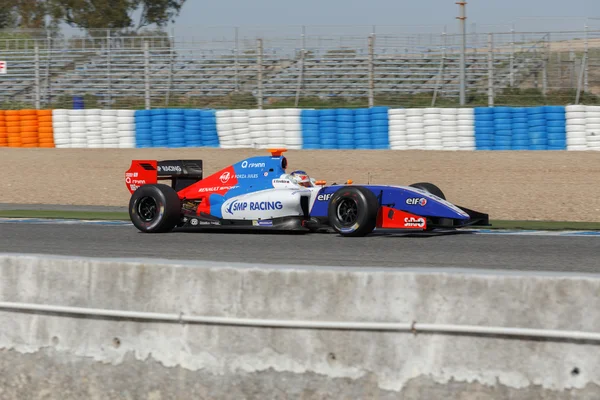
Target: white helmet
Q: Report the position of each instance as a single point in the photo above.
(301, 178)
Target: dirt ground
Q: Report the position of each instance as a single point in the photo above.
(506, 185)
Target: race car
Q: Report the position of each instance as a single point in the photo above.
(258, 193)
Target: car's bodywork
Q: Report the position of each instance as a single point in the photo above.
(257, 193)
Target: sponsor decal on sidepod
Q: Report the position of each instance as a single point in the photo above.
(237, 205)
(246, 164)
(414, 222)
(324, 197)
(418, 200)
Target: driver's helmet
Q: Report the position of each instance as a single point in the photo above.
(301, 178)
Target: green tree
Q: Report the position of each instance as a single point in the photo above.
(7, 15)
(117, 14)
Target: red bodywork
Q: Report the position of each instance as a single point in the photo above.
(141, 172)
(391, 218)
(144, 172)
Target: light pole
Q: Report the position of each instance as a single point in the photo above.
(463, 30)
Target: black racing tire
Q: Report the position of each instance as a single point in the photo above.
(429, 187)
(155, 208)
(352, 211)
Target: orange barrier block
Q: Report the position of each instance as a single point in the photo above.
(3, 133)
(45, 131)
(13, 128)
(29, 128)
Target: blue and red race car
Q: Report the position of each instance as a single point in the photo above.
(258, 193)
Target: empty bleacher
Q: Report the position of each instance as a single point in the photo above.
(196, 70)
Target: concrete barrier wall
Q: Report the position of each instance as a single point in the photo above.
(46, 354)
(575, 127)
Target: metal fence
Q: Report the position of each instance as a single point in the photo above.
(311, 68)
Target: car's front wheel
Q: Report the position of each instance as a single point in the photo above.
(155, 208)
(352, 211)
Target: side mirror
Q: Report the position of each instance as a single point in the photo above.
(320, 183)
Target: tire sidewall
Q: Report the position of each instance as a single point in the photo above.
(430, 188)
(366, 215)
(164, 219)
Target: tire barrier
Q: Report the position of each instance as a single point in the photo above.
(343, 128)
(259, 128)
(483, 128)
(583, 127)
(3, 132)
(176, 128)
(431, 129)
(510, 128)
(93, 128)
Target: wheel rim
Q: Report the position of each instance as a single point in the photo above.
(147, 209)
(347, 211)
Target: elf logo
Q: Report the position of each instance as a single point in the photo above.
(421, 201)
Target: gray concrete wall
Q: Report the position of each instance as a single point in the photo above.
(59, 356)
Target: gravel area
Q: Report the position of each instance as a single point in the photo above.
(528, 185)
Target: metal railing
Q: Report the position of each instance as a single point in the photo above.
(309, 69)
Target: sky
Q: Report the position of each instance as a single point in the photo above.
(202, 19)
(417, 15)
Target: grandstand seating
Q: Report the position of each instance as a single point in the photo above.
(205, 73)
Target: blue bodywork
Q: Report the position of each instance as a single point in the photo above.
(398, 198)
(253, 174)
(256, 174)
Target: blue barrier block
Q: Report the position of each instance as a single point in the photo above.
(306, 120)
(345, 125)
(379, 123)
(309, 113)
(484, 124)
(535, 111)
(536, 123)
(503, 115)
(344, 111)
(556, 124)
(519, 120)
(379, 110)
(503, 127)
(520, 127)
(554, 109)
(143, 125)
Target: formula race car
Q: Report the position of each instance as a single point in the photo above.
(258, 193)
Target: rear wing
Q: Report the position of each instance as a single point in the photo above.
(181, 173)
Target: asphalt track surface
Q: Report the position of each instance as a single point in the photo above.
(461, 250)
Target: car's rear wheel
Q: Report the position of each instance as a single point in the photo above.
(155, 208)
(352, 211)
(429, 187)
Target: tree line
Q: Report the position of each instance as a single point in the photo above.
(118, 15)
